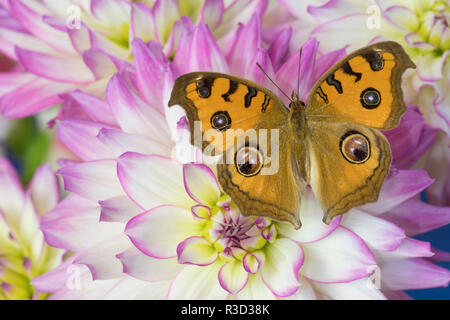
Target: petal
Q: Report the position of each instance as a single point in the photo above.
(33, 97)
(409, 248)
(99, 63)
(44, 189)
(304, 292)
(417, 217)
(81, 138)
(194, 283)
(256, 290)
(201, 183)
(233, 277)
(101, 258)
(279, 48)
(143, 24)
(251, 263)
(340, 257)
(165, 13)
(35, 24)
(249, 41)
(74, 225)
(119, 142)
(378, 233)
(97, 109)
(196, 250)
(282, 257)
(152, 180)
(158, 232)
(118, 209)
(212, 13)
(63, 69)
(313, 228)
(199, 51)
(412, 274)
(361, 289)
(141, 266)
(133, 114)
(152, 72)
(401, 17)
(399, 187)
(12, 196)
(96, 180)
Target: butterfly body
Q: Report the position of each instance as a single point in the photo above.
(330, 143)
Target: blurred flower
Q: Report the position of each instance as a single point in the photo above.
(67, 45)
(144, 225)
(24, 254)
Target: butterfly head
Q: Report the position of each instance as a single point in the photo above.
(296, 103)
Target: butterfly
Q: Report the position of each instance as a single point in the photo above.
(331, 143)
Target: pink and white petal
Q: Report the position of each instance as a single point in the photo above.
(194, 283)
(233, 277)
(67, 69)
(417, 217)
(362, 289)
(81, 138)
(400, 186)
(212, 13)
(152, 180)
(240, 12)
(29, 225)
(74, 225)
(141, 266)
(402, 17)
(254, 72)
(313, 228)
(11, 80)
(57, 277)
(196, 250)
(44, 189)
(379, 234)
(143, 24)
(201, 183)
(111, 12)
(412, 274)
(249, 40)
(409, 248)
(118, 209)
(100, 63)
(166, 12)
(101, 259)
(256, 290)
(119, 142)
(158, 232)
(340, 257)
(97, 109)
(32, 97)
(430, 68)
(152, 72)
(34, 23)
(9, 39)
(184, 24)
(129, 288)
(95, 180)
(304, 292)
(282, 257)
(132, 113)
(279, 48)
(12, 196)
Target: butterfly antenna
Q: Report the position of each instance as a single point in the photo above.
(273, 81)
(298, 76)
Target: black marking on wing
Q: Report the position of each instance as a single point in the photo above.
(331, 81)
(231, 90)
(348, 70)
(252, 92)
(265, 103)
(322, 94)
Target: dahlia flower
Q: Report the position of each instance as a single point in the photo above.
(146, 220)
(24, 254)
(61, 46)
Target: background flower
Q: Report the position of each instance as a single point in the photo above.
(24, 254)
